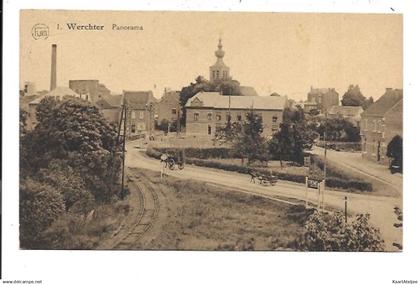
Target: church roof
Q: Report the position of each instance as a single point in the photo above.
(215, 100)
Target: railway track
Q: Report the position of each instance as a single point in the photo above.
(150, 206)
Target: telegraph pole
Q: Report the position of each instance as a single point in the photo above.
(325, 163)
(123, 149)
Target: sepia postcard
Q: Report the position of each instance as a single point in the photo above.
(211, 131)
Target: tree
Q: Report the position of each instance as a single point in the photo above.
(74, 131)
(67, 181)
(394, 151)
(339, 129)
(325, 232)
(293, 137)
(250, 143)
(39, 205)
(353, 97)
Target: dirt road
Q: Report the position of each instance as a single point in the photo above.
(380, 208)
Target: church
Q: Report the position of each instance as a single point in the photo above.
(208, 112)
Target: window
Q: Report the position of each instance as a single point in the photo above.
(239, 117)
(218, 117)
(209, 116)
(195, 116)
(209, 130)
(141, 114)
(133, 128)
(174, 111)
(217, 74)
(214, 75)
(274, 118)
(133, 114)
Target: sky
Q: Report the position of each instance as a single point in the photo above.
(285, 53)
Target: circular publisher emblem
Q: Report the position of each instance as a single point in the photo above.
(40, 31)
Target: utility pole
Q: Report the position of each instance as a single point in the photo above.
(178, 122)
(345, 208)
(325, 163)
(123, 150)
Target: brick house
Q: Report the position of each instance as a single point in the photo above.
(208, 112)
(110, 107)
(141, 107)
(324, 98)
(380, 123)
(168, 107)
(350, 113)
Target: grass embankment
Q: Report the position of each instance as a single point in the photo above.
(198, 216)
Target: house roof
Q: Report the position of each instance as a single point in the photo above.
(58, 92)
(138, 99)
(215, 100)
(248, 91)
(384, 103)
(346, 110)
(109, 102)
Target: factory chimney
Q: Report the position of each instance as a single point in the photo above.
(53, 83)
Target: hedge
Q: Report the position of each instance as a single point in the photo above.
(331, 182)
(200, 153)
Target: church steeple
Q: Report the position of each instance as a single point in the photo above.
(220, 53)
(219, 71)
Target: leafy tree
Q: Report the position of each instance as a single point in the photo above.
(67, 181)
(75, 131)
(324, 232)
(250, 143)
(339, 129)
(39, 205)
(394, 151)
(293, 137)
(354, 97)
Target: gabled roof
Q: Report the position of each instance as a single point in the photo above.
(215, 100)
(110, 102)
(138, 99)
(384, 103)
(58, 92)
(346, 110)
(248, 91)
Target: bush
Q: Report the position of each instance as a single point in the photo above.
(324, 232)
(40, 204)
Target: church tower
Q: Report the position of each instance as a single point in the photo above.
(219, 71)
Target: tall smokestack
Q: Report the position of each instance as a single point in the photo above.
(53, 84)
